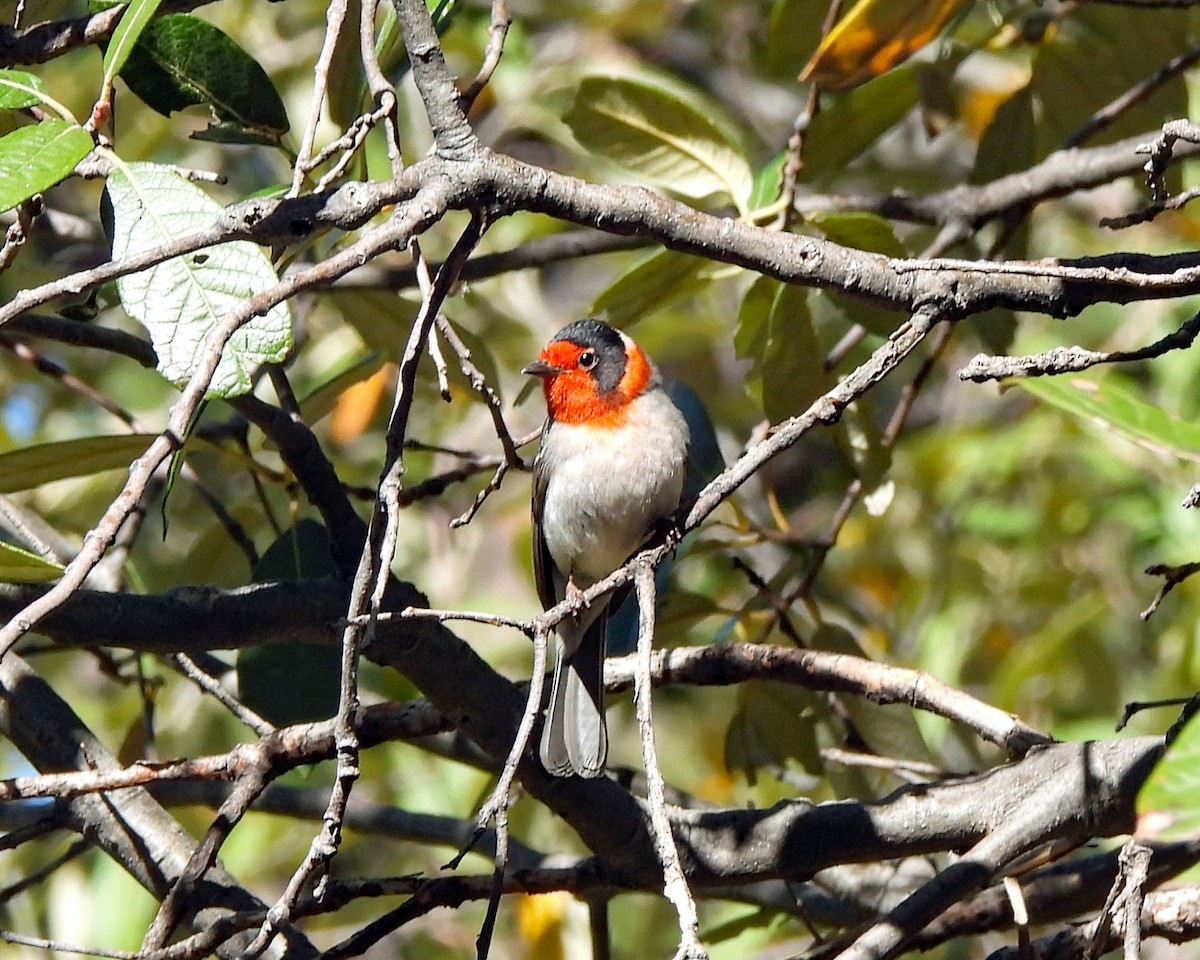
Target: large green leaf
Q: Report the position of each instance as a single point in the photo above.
(19, 89)
(654, 282)
(1117, 411)
(774, 723)
(1095, 56)
(294, 682)
(855, 120)
(21, 566)
(775, 331)
(181, 300)
(30, 467)
(1168, 804)
(662, 134)
(181, 61)
(35, 158)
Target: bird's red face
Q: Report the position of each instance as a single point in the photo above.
(590, 379)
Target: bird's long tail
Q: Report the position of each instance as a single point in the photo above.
(574, 739)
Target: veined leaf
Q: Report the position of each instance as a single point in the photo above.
(874, 36)
(181, 300)
(663, 135)
(19, 89)
(181, 60)
(30, 467)
(1117, 411)
(21, 566)
(133, 21)
(35, 158)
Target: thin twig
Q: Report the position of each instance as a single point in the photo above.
(1073, 359)
(497, 31)
(212, 686)
(335, 22)
(675, 882)
(1173, 576)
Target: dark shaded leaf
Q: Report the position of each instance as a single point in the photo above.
(181, 61)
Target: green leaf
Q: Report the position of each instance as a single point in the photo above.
(133, 22)
(30, 467)
(767, 181)
(19, 89)
(1168, 805)
(1008, 142)
(862, 231)
(295, 682)
(654, 282)
(1116, 410)
(890, 731)
(181, 300)
(662, 135)
(775, 331)
(21, 566)
(774, 722)
(231, 132)
(181, 61)
(855, 120)
(35, 158)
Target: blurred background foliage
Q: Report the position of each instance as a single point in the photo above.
(1006, 557)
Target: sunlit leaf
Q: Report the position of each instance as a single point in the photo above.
(328, 396)
(1117, 411)
(21, 566)
(1168, 805)
(19, 89)
(30, 467)
(133, 22)
(181, 300)
(35, 158)
(662, 134)
(874, 36)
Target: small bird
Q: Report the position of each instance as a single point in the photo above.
(610, 468)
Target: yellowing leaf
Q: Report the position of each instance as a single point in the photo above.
(355, 408)
(875, 36)
(540, 920)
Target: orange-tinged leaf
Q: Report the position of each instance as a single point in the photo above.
(355, 408)
(540, 920)
(875, 36)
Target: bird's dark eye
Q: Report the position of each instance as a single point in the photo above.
(587, 360)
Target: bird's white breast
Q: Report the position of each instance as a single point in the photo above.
(607, 486)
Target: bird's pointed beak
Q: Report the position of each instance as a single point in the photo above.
(540, 368)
